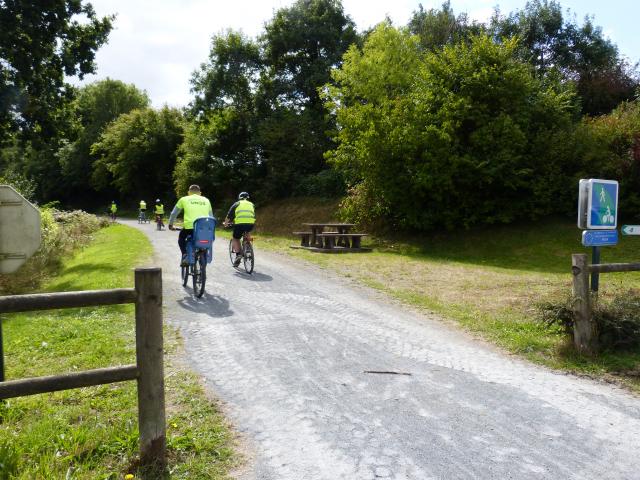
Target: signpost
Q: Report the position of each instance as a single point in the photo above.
(630, 229)
(599, 238)
(19, 237)
(598, 216)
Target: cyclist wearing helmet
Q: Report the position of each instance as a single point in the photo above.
(195, 206)
(243, 215)
(159, 212)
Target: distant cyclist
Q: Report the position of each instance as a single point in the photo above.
(194, 206)
(243, 215)
(159, 212)
(113, 209)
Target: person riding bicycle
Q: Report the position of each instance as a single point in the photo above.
(113, 209)
(142, 212)
(159, 212)
(243, 215)
(195, 206)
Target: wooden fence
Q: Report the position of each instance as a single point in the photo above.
(585, 330)
(148, 370)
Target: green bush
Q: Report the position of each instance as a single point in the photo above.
(62, 233)
(617, 320)
(463, 136)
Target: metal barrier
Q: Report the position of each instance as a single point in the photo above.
(148, 370)
(585, 330)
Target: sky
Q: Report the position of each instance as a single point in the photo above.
(157, 45)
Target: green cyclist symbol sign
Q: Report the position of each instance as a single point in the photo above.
(603, 204)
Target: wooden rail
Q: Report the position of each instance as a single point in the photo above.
(148, 371)
(52, 301)
(55, 383)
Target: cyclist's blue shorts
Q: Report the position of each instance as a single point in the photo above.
(240, 228)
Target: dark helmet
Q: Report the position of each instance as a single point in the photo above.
(243, 195)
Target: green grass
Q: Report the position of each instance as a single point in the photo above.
(490, 281)
(91, 433)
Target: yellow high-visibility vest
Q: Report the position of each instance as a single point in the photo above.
(245, 213)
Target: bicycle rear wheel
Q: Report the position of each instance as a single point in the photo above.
(247, 256)
(199, 273)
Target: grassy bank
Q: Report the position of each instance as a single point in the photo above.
(91, 433)
(488, 280)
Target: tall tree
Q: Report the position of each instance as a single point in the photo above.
(557, 44)
(439, 27)
(41, 41)
(301, 44)
(96, 105)
(137, 153)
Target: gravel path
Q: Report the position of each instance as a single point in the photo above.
(288, 350)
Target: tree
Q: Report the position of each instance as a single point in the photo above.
(96, 105)
(137, 153)
(437, 28)
(554, 45)
(41, 42)
(462, 136)
(301, 45)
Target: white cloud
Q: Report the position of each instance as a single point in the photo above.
(157, 46)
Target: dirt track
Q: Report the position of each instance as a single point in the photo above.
(288, 350)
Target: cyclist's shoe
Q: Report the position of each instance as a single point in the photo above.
(238, 259)
(183, 262)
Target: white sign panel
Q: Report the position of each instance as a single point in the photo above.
(20, 234)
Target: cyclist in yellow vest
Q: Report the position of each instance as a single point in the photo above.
(243, 215)
(194, 206)
(159, 212)
(143, 206)
(113, 209)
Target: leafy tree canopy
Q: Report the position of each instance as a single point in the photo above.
(41, 41)
(555, 42)
(137, 153)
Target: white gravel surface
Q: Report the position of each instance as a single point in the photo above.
(287, 349)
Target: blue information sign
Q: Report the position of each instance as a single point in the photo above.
(599, 238)
(603, 204)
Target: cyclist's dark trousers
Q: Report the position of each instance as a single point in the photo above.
(182, 240)
(240, 228)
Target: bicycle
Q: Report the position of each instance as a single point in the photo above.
(246, 249)
(142, 217)
(159, 222)
(199, 254)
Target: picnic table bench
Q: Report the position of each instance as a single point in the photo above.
(341, 239)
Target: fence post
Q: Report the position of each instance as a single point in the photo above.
(149, 356)
(584, 329)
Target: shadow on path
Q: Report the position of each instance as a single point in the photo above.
(212, 305)
(254, 277)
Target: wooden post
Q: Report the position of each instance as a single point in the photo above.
(149, 355)
(584, 328)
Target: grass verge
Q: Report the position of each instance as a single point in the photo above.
(490, 281)
(92, 433)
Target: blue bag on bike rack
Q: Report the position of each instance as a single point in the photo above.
(204, 234)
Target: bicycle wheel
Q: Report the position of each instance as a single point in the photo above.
(247, 256)
(199, 273)
(231, 254)
(184, 272)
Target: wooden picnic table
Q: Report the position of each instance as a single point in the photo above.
(317, 228)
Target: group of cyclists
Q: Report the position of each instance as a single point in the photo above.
(241, 215)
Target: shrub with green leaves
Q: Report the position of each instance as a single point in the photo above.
(463, 136)
(617, 319)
